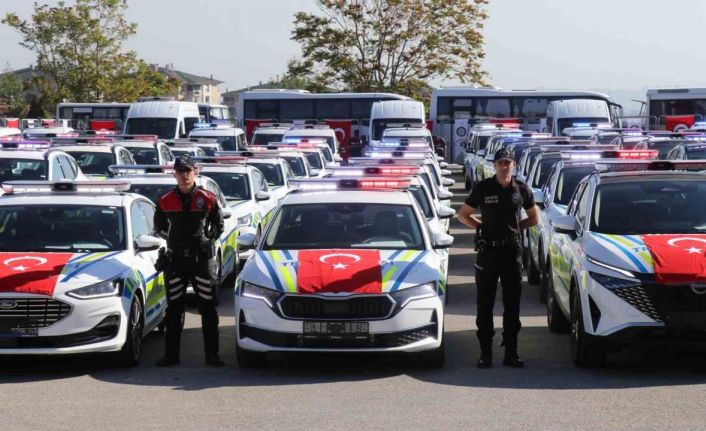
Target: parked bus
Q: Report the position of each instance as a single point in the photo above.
(300, 105)
(675, 108)
(453, 110)
(212, 113)
(94, 115)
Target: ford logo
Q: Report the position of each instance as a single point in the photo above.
(697, 288)
(8, 305)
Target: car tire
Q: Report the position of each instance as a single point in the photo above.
(556, 321)
(532, 272)
(249, 358)
(131, 351)
(585, 353)
(434, 358)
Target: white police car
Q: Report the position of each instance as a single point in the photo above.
(345, 264)
(626, 261)
(147, 152)
(36, 161)
(95, 158)
(77, 268)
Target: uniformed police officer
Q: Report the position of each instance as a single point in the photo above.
(498, 240)
(190, 218)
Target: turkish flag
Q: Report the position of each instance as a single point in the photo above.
(102, 125)
(672, 122)
(31, 272)
(430, 125)
(351, 271)
(251, 125)
(13, 122)
(343, 130)
(677, 259)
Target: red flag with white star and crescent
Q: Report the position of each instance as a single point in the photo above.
(352, 271)
(31, 272)
(677, 259)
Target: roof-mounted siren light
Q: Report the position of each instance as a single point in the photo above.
(104, 186)
(133, 169)
(362, 183)
(650, 165)
(82, 140)
(377, 171)
(631, 154)
(25, 145)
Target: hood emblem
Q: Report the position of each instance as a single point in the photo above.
(7, 305)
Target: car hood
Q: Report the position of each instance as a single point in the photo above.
(623, 251)
(54, 273)
(341, 271)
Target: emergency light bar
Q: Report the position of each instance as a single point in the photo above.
(382, 171)
(33, 134)
(329, 183)
(405, 126)
(277, 125)
(25, 145)
(631, 154)
(104, 186)
(277, 146)
(296, 141)
(148, 138)
(81, 140)
(309, 126)
(148, 169)
(367, 161)
(653, 165)
(391, 154)
(578, 147)
(694, 137)
(218, 159)
(191, 141)
(224, 125)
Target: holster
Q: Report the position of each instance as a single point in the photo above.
(164, 259)
(478, 242)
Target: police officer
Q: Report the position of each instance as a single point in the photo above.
(190, 218)
(500, 199)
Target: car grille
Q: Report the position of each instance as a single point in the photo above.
(35, 312)
(317, 307)
(637, 297)
(678, 304)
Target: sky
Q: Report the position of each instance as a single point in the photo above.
(615, 46)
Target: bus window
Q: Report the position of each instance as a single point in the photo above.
(296, 109)
(333, 108)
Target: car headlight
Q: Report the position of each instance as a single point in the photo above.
(613, 282)
(611, 267)
(423, 291)
(262, 293)
(98, 290)
(245, 220)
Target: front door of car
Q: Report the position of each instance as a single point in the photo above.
(142, 223)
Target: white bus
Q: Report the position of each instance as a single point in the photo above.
(301, 105)
(94, 115)
(454, 109)
(675, 108)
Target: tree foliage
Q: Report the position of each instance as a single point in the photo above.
(80, 56)
(11, 94)
(390, 45)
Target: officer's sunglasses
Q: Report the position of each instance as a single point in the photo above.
(504, 162)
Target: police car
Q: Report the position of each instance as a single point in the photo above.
(34, 160)
(209, 145)
(49, 132)
(77, 263)
(10, 133)
(277, 173)
(267, 133)
(313, 153)
(299, 292)
(228, 137)
(148, 152)
(309, 133)
(188, 151)
(95, 158)
(689, 150)
(155, 181)
(626, 261)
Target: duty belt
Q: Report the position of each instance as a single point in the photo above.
(185, 252)
(500, 242)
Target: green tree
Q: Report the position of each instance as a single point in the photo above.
(80, 56)
(390, 45)
(11, 94)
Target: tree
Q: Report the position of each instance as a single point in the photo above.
(11, 94)
(390, 45)
(80, 56)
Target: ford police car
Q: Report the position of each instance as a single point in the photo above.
(77, 264)
(345, 264)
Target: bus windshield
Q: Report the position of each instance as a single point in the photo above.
(164, 128)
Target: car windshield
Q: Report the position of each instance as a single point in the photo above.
(421, 197)
(483, 141)
(345, 225)
(22, 169)
(564, 123)
(61, 228)
(528, 162)
(271, 171)
(314, 160)
(234, 185)
(227, 142)
(144, 156)
(297, 166)
(379, 126)
(164, 128)
(266, 138)
(541, 173)
(650, 207)
(327, 154)
(568, 180)
(151, 191)
(696, 153)
(93, 163)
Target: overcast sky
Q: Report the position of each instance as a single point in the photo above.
(621, 46)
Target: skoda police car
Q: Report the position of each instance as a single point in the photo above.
(626, 261)
(77, 263)
(345, 264)
(34, 160)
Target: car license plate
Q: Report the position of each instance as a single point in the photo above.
(335, 328)
(14, 328)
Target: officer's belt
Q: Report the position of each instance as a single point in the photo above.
(502, 241)
(185, 252)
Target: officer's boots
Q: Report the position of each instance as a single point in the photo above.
(511, 357)
(486, 354)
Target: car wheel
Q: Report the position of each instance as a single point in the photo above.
(131, 352)
(584, 352)
(434, 358)
(249, 358)
(556, 321)
(532, 272)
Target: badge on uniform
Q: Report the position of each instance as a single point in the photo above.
(491, 199)
(516, 198)
(199, 202)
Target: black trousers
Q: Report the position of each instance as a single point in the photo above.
(505, 263)
(201, 273)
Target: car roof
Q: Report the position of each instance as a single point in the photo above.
(137, 144)
(24, 154)
(394, 197)
(69, 198)
(615, 177)
(271, 160)
(88, 148)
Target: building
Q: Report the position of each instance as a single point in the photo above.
(193, 88)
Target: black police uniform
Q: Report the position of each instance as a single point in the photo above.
(191, 223)
(499, 256)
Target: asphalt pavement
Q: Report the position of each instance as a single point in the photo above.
(640, 390)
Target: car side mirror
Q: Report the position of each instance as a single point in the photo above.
(445, 172)
(226, 214)
(480, 153)
(337, 158)
(448, 182)
(314, 172)
(443, 165)
(566, 224)
(147, 242)
(262, 196)
(444, 194)
(445, 211)
(246, 239)
(442, 240)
